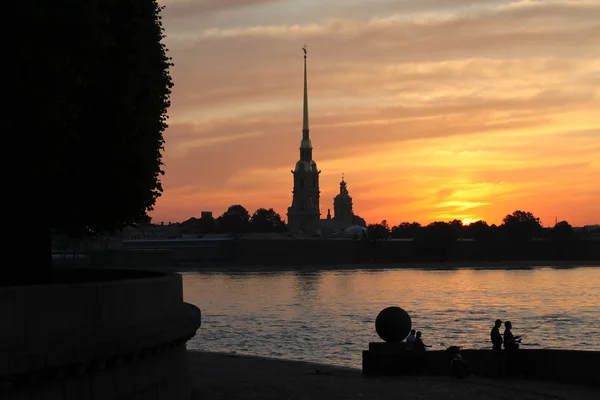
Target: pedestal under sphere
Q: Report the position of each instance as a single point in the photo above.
(393, 324)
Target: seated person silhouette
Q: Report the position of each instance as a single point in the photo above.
(420, 347)
(410, 340)
(458, 366)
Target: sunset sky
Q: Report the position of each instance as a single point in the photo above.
(432, 109)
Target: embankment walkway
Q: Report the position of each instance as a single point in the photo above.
(227, 376)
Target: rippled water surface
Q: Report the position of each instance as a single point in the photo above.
(329, 316)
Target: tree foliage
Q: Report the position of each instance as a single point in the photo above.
(478, 230)
(440, 232)
(379, 231)
(563, 231)
(437, 238)
(521, 225)
(87, 112)
(264, 220)
(406, 230)
(457, 226)
(235, 220)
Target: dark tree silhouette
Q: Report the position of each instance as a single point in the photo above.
(478, 230)
(521, 225)
(564, 241)
(235, 220)
(458, 227)
(437, 239)
(89, 92)
(562, 231)
(379, 231)
(264, 220)
(406, 230)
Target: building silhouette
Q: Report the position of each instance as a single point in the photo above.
(343, 217)
(342, 205)
(304, 214)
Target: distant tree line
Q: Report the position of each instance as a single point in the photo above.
(236, 220)
(521, 236)
(518, 226)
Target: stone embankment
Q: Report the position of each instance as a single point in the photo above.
(103, 335)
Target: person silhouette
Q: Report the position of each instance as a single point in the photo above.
(420, 347)
(419, 344)
(411, 338)
(511, 345)
(497, 342)
(458, 366)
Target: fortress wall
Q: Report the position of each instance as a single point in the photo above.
(302, 252)
(297, 252)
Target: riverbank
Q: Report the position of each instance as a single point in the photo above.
(265, 253)
(230, 376)
(505, 265)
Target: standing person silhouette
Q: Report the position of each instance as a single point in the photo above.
(511, 345)
(497, 342)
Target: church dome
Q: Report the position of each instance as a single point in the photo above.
(344, 197)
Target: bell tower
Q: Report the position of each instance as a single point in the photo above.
(304, 214)
(342, 205)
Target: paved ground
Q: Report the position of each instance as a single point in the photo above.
(222, 376)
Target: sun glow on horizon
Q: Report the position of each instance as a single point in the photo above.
(469, 221)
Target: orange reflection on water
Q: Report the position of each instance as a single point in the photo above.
(311, 315)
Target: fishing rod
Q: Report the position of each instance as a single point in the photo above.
(548, 320)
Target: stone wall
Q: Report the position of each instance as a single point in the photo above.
(557, 365)
(106, 339)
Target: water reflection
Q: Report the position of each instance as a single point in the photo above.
(307, 285)
(329, 315)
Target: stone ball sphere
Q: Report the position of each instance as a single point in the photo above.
(393, 324)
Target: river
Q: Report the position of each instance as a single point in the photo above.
(329, 316)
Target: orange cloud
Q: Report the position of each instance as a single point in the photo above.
(202, 8)
(433, 109)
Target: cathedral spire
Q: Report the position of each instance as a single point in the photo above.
(305, 110)
(304, 214)
(305, 144)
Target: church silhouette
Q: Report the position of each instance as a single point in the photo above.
(304, 215)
